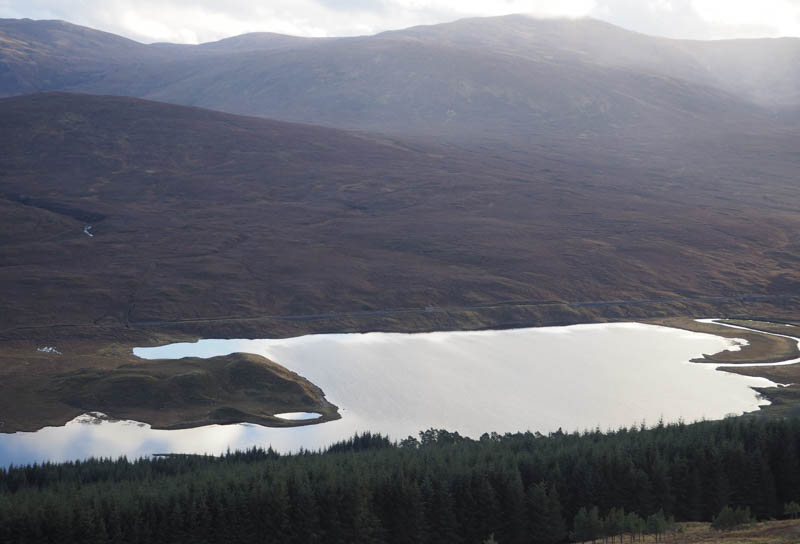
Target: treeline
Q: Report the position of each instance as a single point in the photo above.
(438, 488)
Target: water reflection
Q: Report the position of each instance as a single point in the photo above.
(472, 382)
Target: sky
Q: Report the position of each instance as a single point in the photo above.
(196, 21)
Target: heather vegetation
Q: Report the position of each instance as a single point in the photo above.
(507, 172)
(439, 487)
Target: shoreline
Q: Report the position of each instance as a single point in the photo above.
(111, 362)
(755, 360)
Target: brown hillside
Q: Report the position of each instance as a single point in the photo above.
(198, 214)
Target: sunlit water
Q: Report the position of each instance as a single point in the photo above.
(298, 416)
(541, 379)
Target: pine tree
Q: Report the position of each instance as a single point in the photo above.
(303, 512)
(791, 509)
(634, 525)
(581, 526)
(656, 525)
(556, 526)
(539, 515)
(614, 523)
(595, 523)
(511, 501)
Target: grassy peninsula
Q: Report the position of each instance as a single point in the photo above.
(45, 388)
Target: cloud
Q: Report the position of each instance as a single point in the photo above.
(781, 17)
(703, 19)
(192, 21)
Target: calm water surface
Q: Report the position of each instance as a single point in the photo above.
(539, 379)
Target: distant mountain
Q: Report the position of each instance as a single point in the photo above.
(766, 72)
(198, 215)
(510, 79)
(259, 41)
(42, 55)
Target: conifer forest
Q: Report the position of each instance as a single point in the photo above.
(437, 488)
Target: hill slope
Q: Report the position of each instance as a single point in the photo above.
(198, 214)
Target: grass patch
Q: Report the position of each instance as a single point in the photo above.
(760, 348)
(232, 388)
